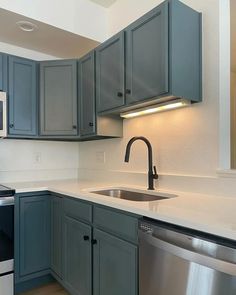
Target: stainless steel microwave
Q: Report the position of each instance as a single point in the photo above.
(3, 114)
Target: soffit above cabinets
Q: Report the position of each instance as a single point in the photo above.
(45, 38)
(105, 3)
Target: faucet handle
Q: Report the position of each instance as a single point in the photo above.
(155, 175)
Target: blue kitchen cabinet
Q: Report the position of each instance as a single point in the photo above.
(163, 55)
(115, 265)
(56, 235)
(110, 76)
(147, 56)
(58, 98)
(3, 72)
(77, 256)
(32, 236)
(162, 60)
(86, 88)
(22, 95)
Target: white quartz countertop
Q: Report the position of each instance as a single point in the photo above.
(212, 214)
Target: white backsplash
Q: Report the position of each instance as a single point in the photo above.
(31, 160)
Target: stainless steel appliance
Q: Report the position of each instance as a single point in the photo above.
(6, 241)
(178, 261)
(3, 114)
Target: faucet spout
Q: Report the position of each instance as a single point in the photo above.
(151, 175)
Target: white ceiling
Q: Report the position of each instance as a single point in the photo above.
(233, 34)
(46, 39)
(105, 3)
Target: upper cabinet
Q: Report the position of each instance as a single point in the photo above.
(58, 98)
(156, 59)
(22, 95)
(86, 89)
(92, 126)
(147, 56)
(162, 60)
(110, 76)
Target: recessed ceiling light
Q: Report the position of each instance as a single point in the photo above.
(26, 26)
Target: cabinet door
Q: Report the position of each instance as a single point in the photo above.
(115, 266)
(86, 86)
(56, 235)
(22, 77)
(110, 74)
(34, 235)
(77, 257)
(147, 56)
(3, 72)
(58, 98)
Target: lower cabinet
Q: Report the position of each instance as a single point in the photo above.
(77, 256)
(115, 265)
(92, 252)
(32, 230)
(56, 235)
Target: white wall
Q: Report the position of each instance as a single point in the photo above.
(185, 141)
(59, 160)
(81, 17)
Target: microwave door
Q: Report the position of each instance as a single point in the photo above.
(3, 115)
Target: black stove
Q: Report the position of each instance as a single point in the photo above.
(6, 191)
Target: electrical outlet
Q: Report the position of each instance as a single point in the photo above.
(100, 157)
(37, 157)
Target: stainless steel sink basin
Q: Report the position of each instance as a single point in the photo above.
(130, 195)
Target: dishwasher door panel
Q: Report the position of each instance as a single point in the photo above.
(164, 273)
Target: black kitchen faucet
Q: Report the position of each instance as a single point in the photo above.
(151, 175)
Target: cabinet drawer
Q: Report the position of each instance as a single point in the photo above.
(78, 210)
(118, 223)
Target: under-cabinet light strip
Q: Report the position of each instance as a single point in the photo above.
(156, 108)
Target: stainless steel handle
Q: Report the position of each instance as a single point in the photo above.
(7, 201)
(219, 265)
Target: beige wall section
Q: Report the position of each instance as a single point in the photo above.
(233, 120)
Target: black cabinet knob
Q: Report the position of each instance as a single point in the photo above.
(11, 125)
(119, 94)
(91, 124)
(86, 238)
(74, 127)
(128, 91)
(94, 242)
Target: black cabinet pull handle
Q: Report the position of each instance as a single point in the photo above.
(119, 94)
(74, 127)
(128, 91)
(11, 125)
(94, 242)
(90, 124)
(86, 238)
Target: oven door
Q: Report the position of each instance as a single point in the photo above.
(6, 245)
(3, 114)
(7, 284)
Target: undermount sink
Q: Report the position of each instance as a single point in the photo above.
(131, 195)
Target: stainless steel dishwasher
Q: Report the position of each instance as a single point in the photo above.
(178, 261)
